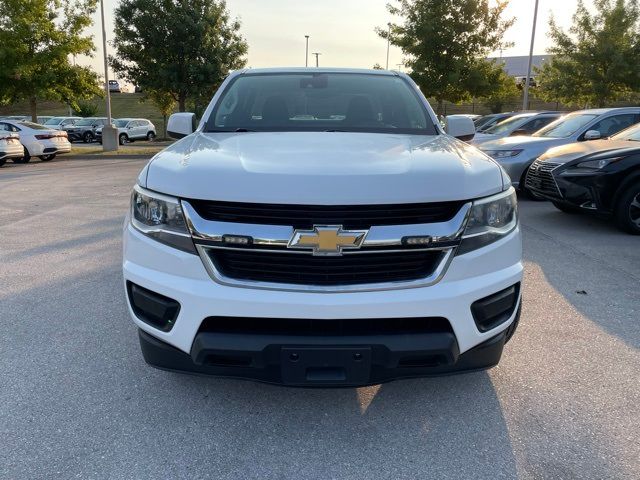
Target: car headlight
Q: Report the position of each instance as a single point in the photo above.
(598, 164)
(160, 217)
(497, 154)
(490, 219)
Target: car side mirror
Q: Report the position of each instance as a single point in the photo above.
(518, 132)
(592, 135)
(181, 124)
(460, 126)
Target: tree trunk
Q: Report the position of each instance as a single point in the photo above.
(440, 109)
(33, 108)
(182, 102)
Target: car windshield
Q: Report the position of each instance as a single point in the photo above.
(346, 102)
(632, 134)
(33, 126)
(565, 126)
(54, 121)
(507, 125)
(120, 123)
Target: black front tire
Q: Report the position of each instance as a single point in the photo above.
(47, 158)
(87, 137)
(24, 159)
(563, 207)
(628, 210)
(3, 161)
(122, 139)
(151, 136)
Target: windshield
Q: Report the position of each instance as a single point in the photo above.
(33, 126)
(347, 102)
(631, 134)
(507, 125)
(565, 126)
(120, 123)
(54, 121)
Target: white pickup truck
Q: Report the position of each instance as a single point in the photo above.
(320, 228)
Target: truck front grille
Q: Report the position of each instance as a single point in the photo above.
(306, 269)
(540, 178)
(305, 216)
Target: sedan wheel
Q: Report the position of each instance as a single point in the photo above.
(151, 136)
(47, 158)
(24, 159)
(3, 161)
(123, 138)
(87, 137)
(628, 210)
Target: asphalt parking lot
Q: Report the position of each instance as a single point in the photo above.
(78, 401)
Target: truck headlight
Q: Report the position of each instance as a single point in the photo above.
(490, 219)
(160, 217)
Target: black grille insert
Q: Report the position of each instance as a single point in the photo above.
(305, 216)
(305, 326)
(306, 269)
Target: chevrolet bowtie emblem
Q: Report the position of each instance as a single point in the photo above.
(327, 239)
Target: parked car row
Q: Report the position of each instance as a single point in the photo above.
(585, 161)
(20, 140)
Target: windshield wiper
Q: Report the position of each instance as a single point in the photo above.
(333, 130)
(243, 130)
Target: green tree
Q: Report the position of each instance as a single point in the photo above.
(86, 109)
(37, 38)
(506, 92)
(598, 60)
(446, 42)
(185, 48)
(164, 102)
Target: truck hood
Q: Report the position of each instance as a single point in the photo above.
(326, 168)
(573, 151)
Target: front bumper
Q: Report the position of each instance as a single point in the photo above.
(182, 276)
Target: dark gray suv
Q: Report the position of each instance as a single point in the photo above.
(85, 129)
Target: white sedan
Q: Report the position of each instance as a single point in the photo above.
(37, 140)
(10, 147)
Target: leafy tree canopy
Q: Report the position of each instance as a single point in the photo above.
(446, 43)
(185, 48)
(37, 37)
(506, 92)
(598, 60)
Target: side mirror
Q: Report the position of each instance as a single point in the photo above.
(592, 135)
(460, 126)
(181, 124)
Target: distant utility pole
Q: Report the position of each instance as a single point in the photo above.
(525, 100)
(106, 65)
(399, 65)
(388, 43)
(317, 54)
(306, 55)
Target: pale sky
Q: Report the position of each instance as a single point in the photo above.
(342, 30)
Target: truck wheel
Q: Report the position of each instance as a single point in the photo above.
(123, 138)
(563, 207)
(48, 158)
(24, 159)
(628, 210)
(87, 137)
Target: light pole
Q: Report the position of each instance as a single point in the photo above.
(109, 134)
(317, 54)
(525, 100)
(388, 43)
(306, 55)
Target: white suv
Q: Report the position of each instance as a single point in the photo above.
(319, 227)
(130, 129)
